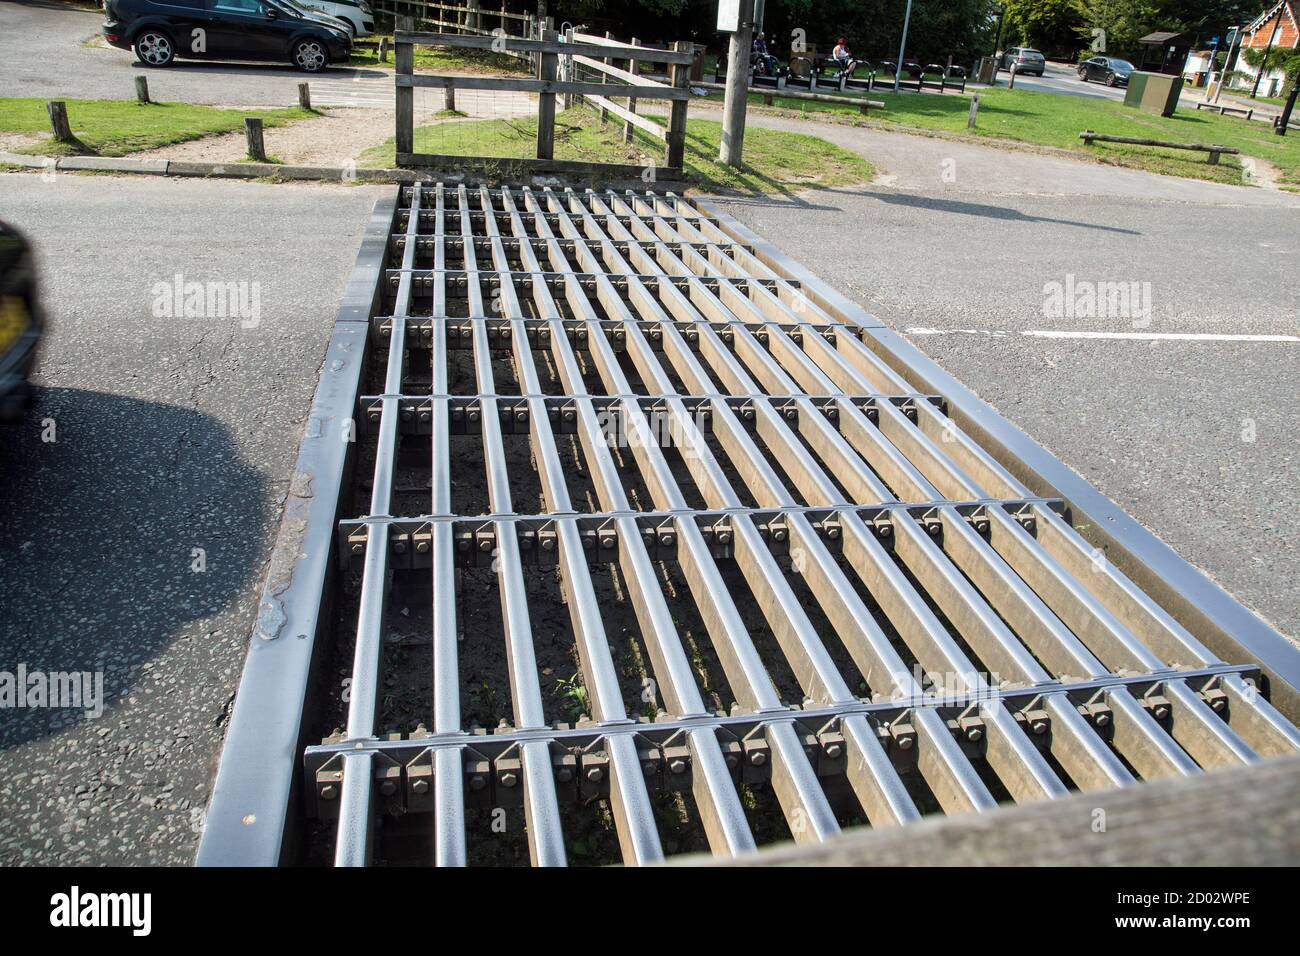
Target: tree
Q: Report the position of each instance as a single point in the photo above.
(1051, 26)
(1115, 26)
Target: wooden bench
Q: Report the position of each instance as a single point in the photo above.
(1249, 111)
(1088, 136)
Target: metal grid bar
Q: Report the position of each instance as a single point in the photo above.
(851, 611)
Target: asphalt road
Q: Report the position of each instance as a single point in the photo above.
(1063, 80)
(171, 434)
(1198, 439)
(34, 34)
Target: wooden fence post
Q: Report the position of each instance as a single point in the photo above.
(253, 131)
(564, 68)
(604, 78)
(304, 96)
(449, 99)
(546, 102)
(58, 111)
(383, 49)
(142, 89)
(634, 68)
(404, 66)
(974, 108)
(680, 76)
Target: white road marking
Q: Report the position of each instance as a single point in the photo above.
(1130, 336)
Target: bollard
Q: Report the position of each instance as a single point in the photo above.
(304, 95)
(58, 111)
(974, 108)
(1011, 78)
(142, 89)
(450, 104)
(253, 129)
(383, 49)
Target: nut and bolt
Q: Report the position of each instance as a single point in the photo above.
(758, 758)
(420, 786)
(329, 792)
(677, 765)
(509, 779)
(595, 775)
(388, 788)
(833, 751)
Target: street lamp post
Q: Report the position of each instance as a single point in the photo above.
(902, 46)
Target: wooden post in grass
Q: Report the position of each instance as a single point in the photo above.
(404, 65)
(974, 109)
(450, 98)
(142, 89)
(383, 49)
(679, 76)
(304, 95)
(253, 130)
(634, 68)
(58, 111)
(546, 70)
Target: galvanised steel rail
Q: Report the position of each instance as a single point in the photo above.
(803, 587)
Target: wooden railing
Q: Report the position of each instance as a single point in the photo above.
(579, 52)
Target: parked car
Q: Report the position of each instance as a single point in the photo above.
(1106, 69)
(21, 323)
(1025, 60)
(265, 30)
(355, 14)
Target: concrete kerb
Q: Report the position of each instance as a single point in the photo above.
(174, 167)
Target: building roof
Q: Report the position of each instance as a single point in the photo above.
(1164, 36)
(1269, 14)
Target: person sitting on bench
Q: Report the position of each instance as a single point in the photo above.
(843, 58)
(760, 59)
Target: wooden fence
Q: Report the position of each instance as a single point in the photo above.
(553, 55)
(469, 17)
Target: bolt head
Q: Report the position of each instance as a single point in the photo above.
(1039, 726)
(509, 779)
(1219, 704)
(974, 734)
(758, 758)
(1102, 720)
(649, 769)
(420, 786)
(477, 782)
(388, 788)
(329, 792)
(834, 751)
(905, 743)
(595, 775)
(564, 775)
(677, 766)
(1162, 712)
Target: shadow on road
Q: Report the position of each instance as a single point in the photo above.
(133, 523)
(982, 210)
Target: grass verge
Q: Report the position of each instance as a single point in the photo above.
(443, 60)
(1048, 119)
(118, 127)
(775, 161)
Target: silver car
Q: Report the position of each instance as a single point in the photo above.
(1024, 60)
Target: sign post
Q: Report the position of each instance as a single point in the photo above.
(737, 18)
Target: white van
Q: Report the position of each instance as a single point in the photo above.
(355, 13)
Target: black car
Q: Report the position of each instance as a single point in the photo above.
(275, 30)
(20, 322)
(1106, 69)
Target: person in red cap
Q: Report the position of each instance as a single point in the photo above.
(843, 57)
